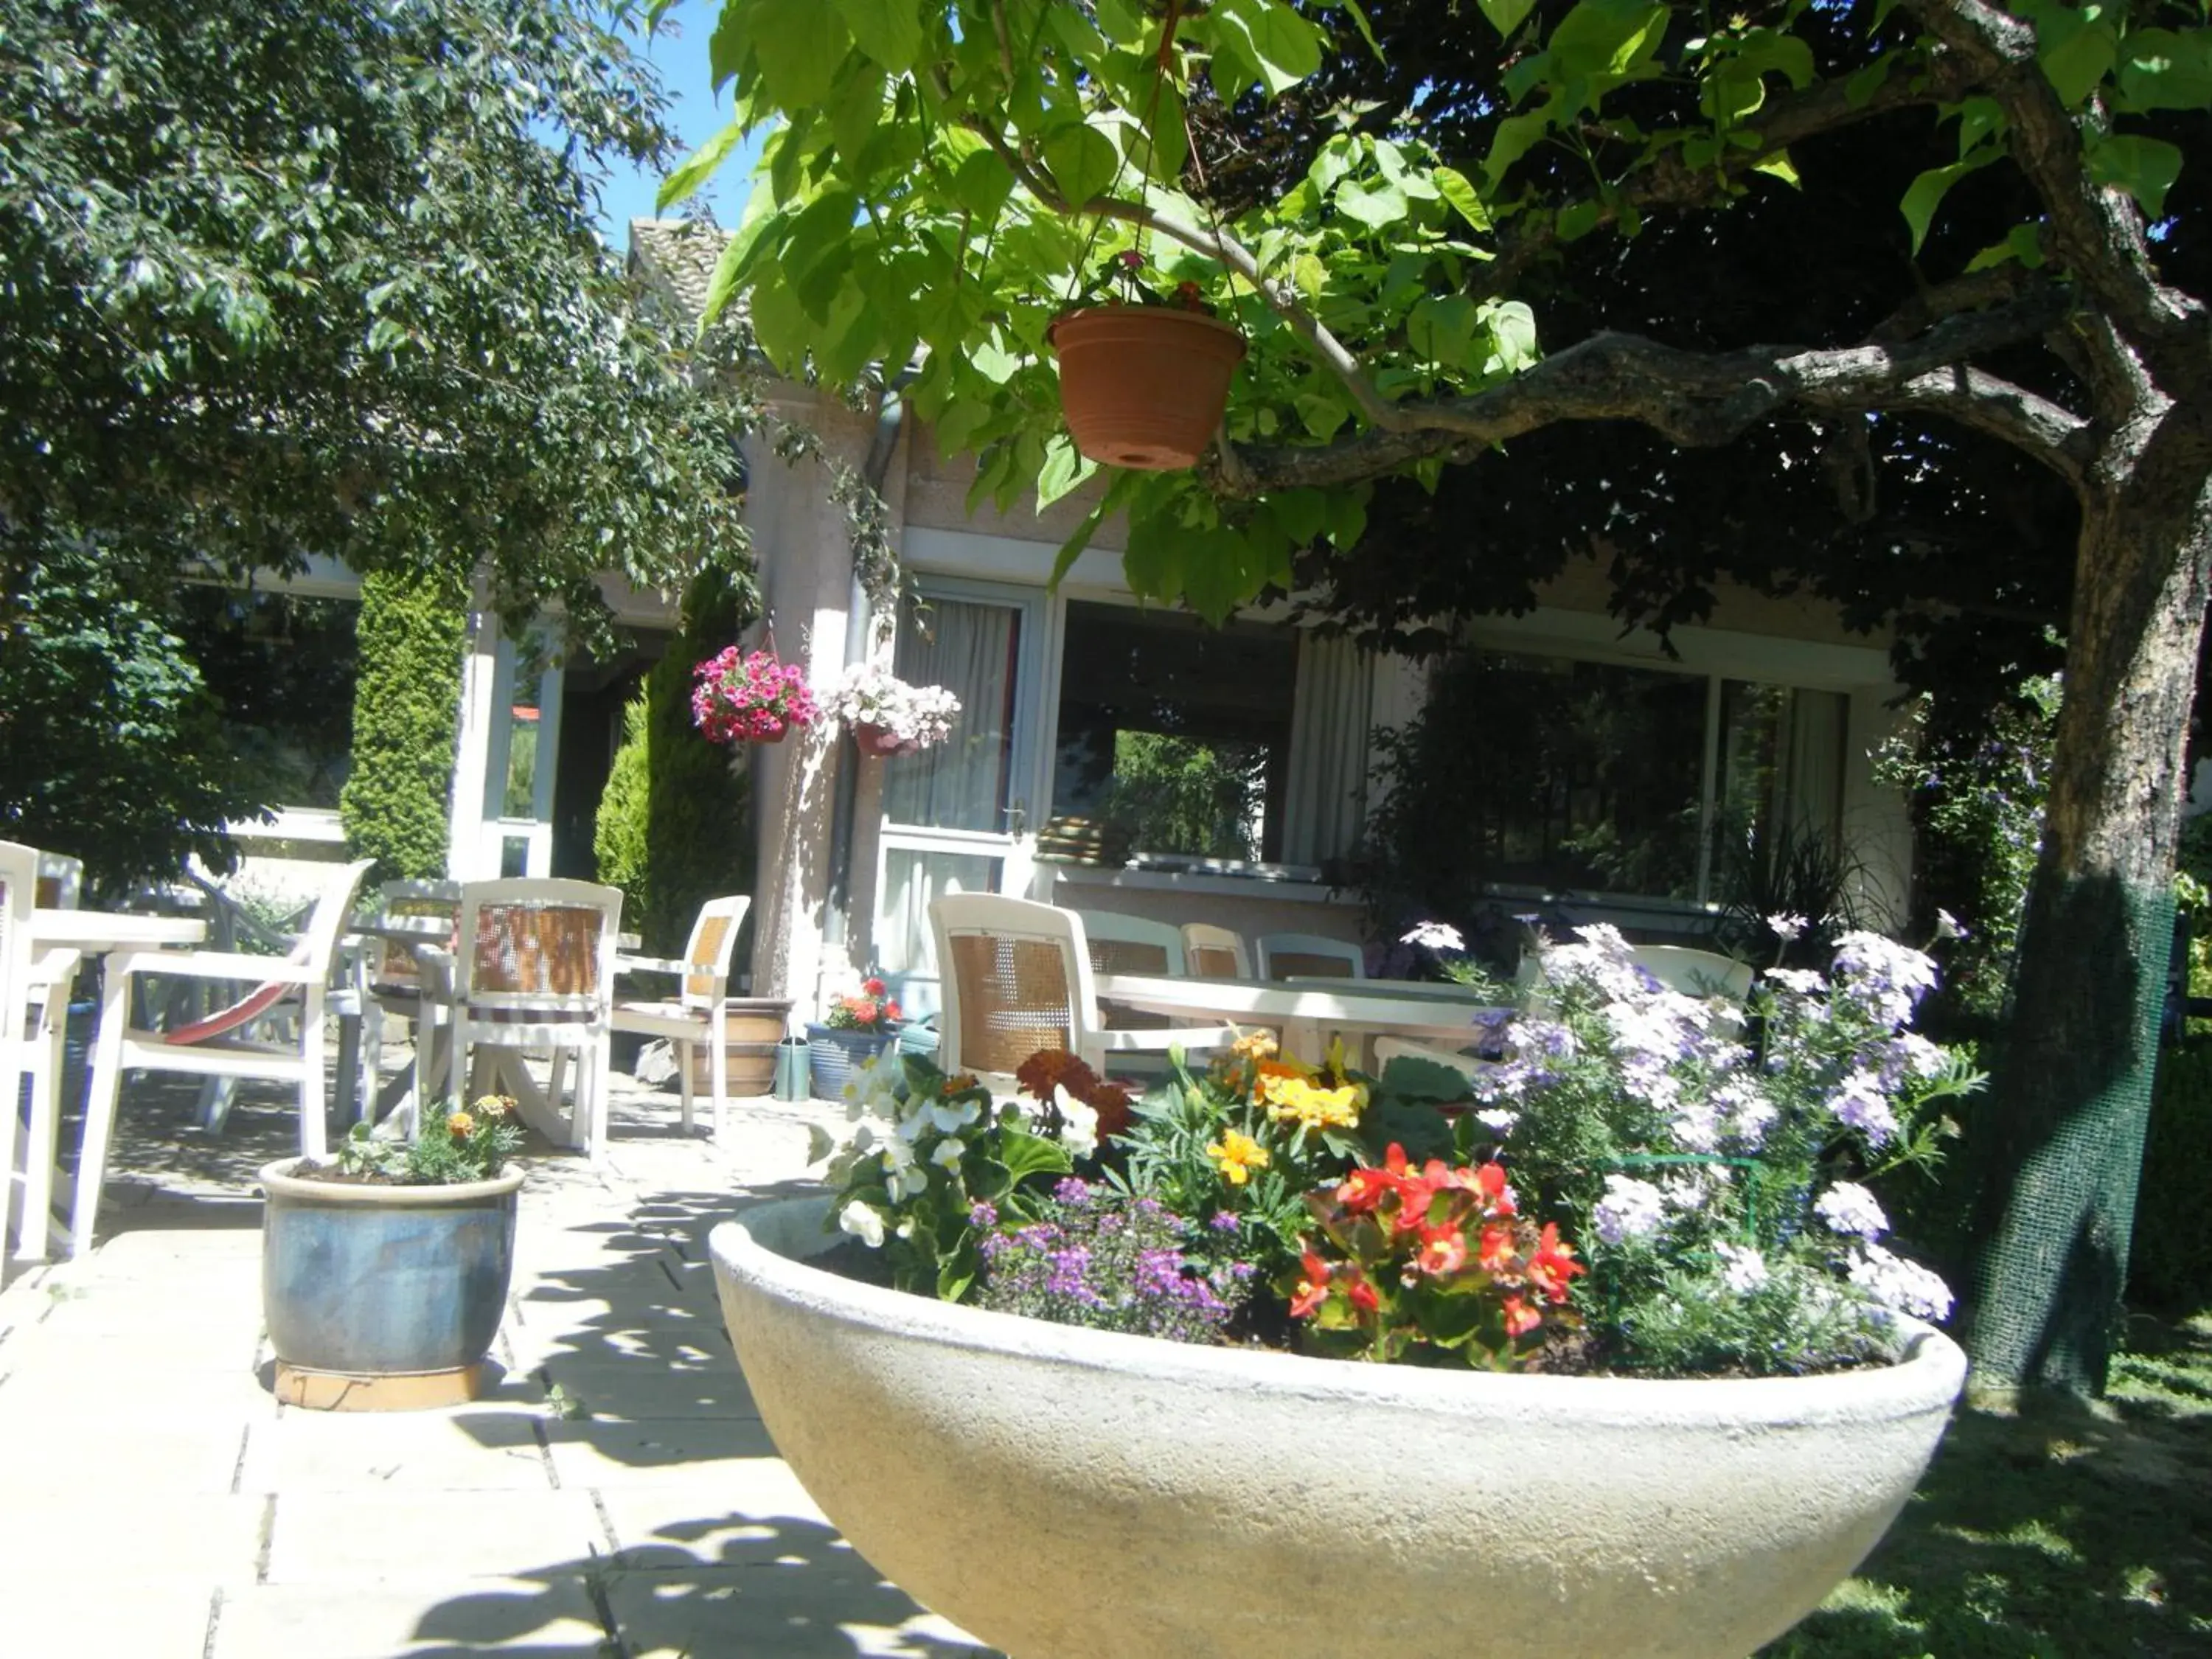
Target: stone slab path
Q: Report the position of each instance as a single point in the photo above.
(616, 1496)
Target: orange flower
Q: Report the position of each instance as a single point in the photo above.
(1049, 1068)
(458, 1125)
(1443, 1250)
(1520, 1317)
(1312, 1289)
(1553, 1264)
(1495, 1255)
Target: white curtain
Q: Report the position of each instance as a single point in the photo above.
(1814, 765)
(1327, 794)
(960, 784)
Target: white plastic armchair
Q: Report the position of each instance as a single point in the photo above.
(1211, 952)
(1310, 955)
(34, 996)
(216, 1046)
(1017, 978)
(699, 1012)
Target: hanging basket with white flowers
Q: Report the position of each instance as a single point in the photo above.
(887, 716)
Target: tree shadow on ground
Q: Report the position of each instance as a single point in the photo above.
(713, 1548)
(2073, 1528)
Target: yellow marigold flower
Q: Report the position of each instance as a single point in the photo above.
(1295, 1099)
(458, 1124)
(1255, 1045)
(492, 1106)
(1237, 1155)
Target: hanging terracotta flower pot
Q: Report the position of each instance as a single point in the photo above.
(881, 740)
(1144, 386)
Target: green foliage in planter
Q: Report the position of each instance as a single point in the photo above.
(673, 828)
(621, 831)
(2170, 1267)
(406, 705)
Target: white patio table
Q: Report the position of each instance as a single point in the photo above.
(1306, 1009)
(90, 933)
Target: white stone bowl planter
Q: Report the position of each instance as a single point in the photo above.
(1074, 1494)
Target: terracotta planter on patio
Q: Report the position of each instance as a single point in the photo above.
(1065, 1493)
(382, 1298)
(1144, 386)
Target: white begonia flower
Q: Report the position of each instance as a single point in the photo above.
(1630, 1209)
(1743, 1269)
(948, 1117)
(910, 1182)
(1079, 1123)
(873, 1089)
(948, 1152)
(863, 1221)
(1850, 1209)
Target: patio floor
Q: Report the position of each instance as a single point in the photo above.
(615, 1496)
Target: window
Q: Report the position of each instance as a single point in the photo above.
(1173, 735)
(1602, 778)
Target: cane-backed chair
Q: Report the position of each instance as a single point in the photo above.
(1310, 955)
(1211, 952)
(534, 967)
(221, 1044)
(699, 1012)
(1018, 978)
(1132, 944)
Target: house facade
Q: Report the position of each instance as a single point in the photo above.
(1120, 757)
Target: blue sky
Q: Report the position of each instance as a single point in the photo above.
(679, 53)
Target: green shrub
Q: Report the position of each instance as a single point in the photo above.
(621, 832)
(406, 709)
(2170, 1264)
(674, 829)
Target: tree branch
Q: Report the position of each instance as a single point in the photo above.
(1670, 183)
(2095, 231)
(1699, 400)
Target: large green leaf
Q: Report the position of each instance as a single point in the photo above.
(1083, 160)
(889, 30)
(1506, 15)
(698, 166)
(800, 44)
(2144, 167)
(1926, 193)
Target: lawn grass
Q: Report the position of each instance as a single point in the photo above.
(2071, 1529)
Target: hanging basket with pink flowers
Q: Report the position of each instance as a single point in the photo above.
(750, 698)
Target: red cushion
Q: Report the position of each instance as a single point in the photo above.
(255, 1001)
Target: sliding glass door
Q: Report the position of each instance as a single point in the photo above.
(956, 817)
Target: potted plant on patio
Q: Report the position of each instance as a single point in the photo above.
(750, 698)
(384, 1271)
(1659, 1386)
(857, 1029)
(1143, 376)
(887, 716)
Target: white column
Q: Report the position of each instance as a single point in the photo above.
(464, 842)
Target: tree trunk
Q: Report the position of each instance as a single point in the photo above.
(2072, 1092)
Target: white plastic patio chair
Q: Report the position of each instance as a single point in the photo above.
(1388, 1049)
(218, 1045)
(1694, 973)
(1132, 944)
(1310, 955)
(535, 968)
(34, 985)
(1211, 952)
(409, 979)
(1017, 978)
(699, 1012)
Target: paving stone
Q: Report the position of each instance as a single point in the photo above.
(798, 1609)
(634, 1390)
(355, 1538)
(87, 1537)
(70, 1619)
(470, 1447)
(75, 1454)
(736, 1518)
(553, 1614)
(606, 1454)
